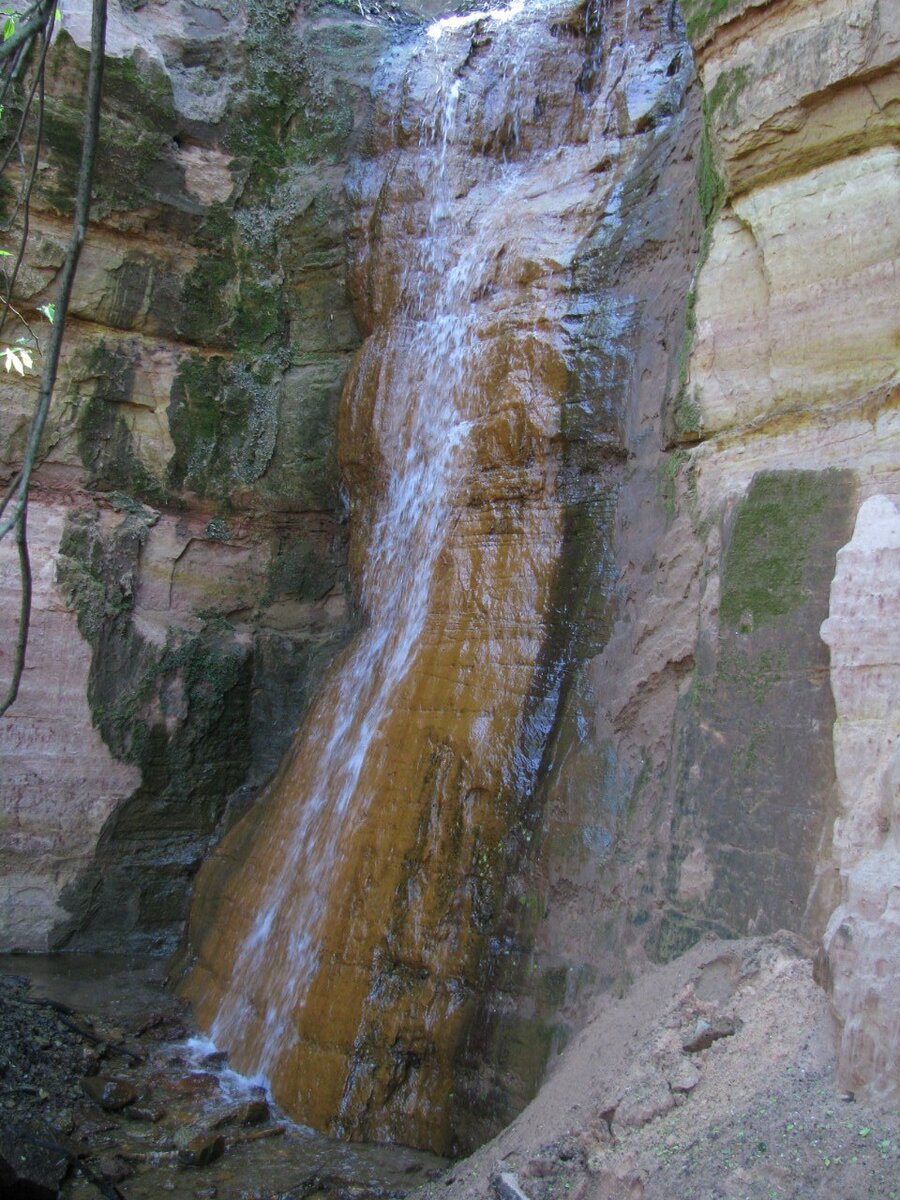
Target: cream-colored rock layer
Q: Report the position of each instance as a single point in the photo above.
(797, 303)
(58, 783)
(862, 941)
(863, 435)
(796, 84)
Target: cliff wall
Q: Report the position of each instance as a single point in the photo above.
(720, 753)
(186, 524)
(704, 755)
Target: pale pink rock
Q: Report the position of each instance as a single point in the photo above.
(862, 941)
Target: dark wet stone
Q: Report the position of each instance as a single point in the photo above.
(113, 1168)
(14, 982)
(149, 1113)
(214, 1061)
(111, 1095)
(31, 1165)
(197, 1083)
(201, 1150)
(250, 1112)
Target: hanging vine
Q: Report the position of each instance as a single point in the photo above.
(25, 41)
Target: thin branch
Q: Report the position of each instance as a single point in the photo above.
(25, 199)
(24, 614)
(25, 30)
(23, 320)
(17, 518)
(38, 80)
(79, 229)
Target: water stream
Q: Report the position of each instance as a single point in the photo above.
(339, 929)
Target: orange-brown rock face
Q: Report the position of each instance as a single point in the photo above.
(338, 933)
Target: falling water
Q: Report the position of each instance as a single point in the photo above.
(349, 911)
(423, 438)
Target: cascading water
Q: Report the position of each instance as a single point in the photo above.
(338, 929)
(420, 425)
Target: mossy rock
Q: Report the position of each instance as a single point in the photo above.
(137, 126)
(770, 538)
(105, 443)
(223, 419)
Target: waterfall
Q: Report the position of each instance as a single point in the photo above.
(420, 424)
(338, 929)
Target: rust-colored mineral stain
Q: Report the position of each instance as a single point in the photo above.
(338, 928)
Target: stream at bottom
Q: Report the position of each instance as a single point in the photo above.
(105, 1090)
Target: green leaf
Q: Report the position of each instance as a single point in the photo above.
(49, 311)
(9, 28)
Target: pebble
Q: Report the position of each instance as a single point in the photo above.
(215, 1060)
(114, 1168)
(683, 1076)
(250, 1112)
(151, 1113)
(201, 1150)
(111, 1095)
(705, 1034)
(506, 1185)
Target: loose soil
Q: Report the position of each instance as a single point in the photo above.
(711, 1079)
(628, 1114)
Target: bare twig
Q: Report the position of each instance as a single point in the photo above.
(24, 612)
(15, 141)
(32, 21)
(15, 519)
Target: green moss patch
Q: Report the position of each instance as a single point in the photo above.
(701, 15)
(768, 545)
(105, 443)
(137, 125)
(223, 420)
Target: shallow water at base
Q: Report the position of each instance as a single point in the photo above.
(121, 997)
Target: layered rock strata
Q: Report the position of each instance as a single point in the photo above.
(622, 728)
(861, 962)
(186, 523)
(692, 783)
(350, 929)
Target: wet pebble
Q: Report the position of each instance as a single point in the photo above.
(201, 1149)
(215, 1060)
(145, 1111)
(114, 1169)
(111, 1095)
(250, 1112)
(198, 1083)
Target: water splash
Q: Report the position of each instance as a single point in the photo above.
(498, 15)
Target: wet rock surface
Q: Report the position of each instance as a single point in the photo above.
(150, 1121)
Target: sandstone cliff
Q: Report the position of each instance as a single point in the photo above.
(710, 693)
(186, 521)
